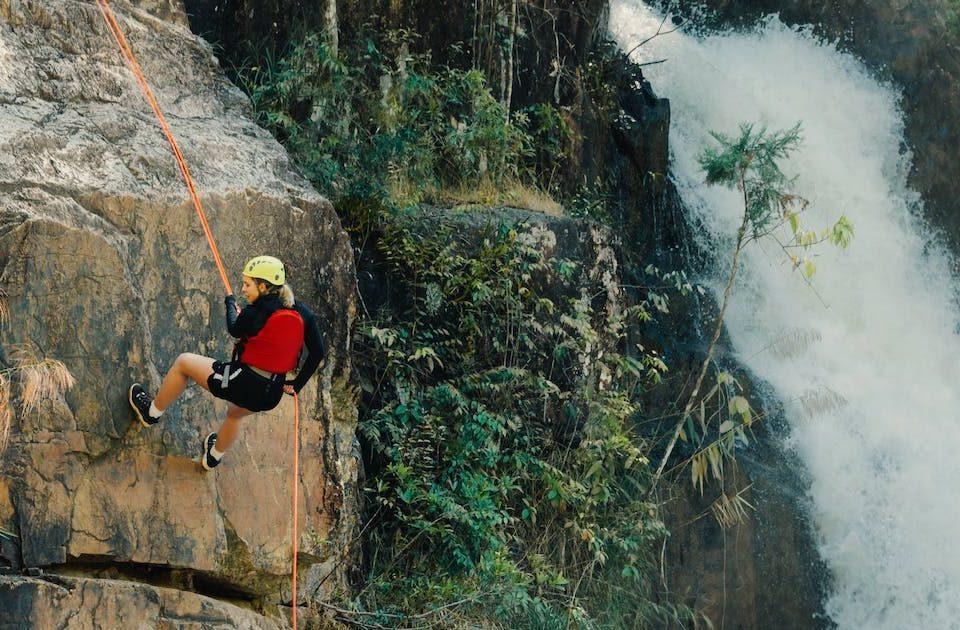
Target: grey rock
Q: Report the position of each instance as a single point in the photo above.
(105, 267)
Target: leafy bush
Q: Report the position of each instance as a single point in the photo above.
(380, 123)
(498, 413)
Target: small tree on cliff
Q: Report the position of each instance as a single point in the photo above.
(749, 163)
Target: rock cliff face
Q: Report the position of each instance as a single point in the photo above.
(91, 604)
(914, 44)
(104, 267)
(763, 573)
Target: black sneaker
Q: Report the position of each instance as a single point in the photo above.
(141, 401)
(206, 459)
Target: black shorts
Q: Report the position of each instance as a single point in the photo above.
(245, 388)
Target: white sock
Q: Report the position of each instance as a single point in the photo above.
(154, 412)
(217, 455)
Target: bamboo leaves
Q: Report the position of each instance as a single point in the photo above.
(749, 162)
(731, 510)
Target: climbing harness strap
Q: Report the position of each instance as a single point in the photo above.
(226, 377)
(134, 66)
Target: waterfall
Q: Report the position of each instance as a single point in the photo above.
(866, 362)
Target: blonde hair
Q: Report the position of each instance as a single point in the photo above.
(286, 296)
(284, 292)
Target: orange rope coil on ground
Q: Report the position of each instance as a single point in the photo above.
(134, 66)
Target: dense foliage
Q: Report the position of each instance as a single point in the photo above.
(376, 122)
(507, 475)
(506, 484)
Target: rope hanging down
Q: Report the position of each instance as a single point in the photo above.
(131, 61)
(296, 478)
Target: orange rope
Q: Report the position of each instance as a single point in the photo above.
(296, 478)
(131, 61)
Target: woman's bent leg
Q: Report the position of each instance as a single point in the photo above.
(227, 433)
(187, 367)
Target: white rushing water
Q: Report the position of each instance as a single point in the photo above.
(880, 331)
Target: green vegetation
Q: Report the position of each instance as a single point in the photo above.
(507, 485)
(508, 482)
(379, 124)
(750, 164)
(508, 477)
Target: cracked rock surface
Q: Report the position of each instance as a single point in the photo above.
(85, 604)
(104, 267)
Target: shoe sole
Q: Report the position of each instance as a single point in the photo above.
(203, 455)
(143, 422)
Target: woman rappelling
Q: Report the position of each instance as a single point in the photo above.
(272, 330)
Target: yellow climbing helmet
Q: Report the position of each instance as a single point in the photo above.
(266, 268)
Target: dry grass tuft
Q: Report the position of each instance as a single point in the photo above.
(486, 193)
(731, 510)
(795, 342)
(819, 402)
(4, 309)
(535, 200)
(6, 412)
(40, 380)
(403, 192)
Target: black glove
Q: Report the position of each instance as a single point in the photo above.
(230, 302)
